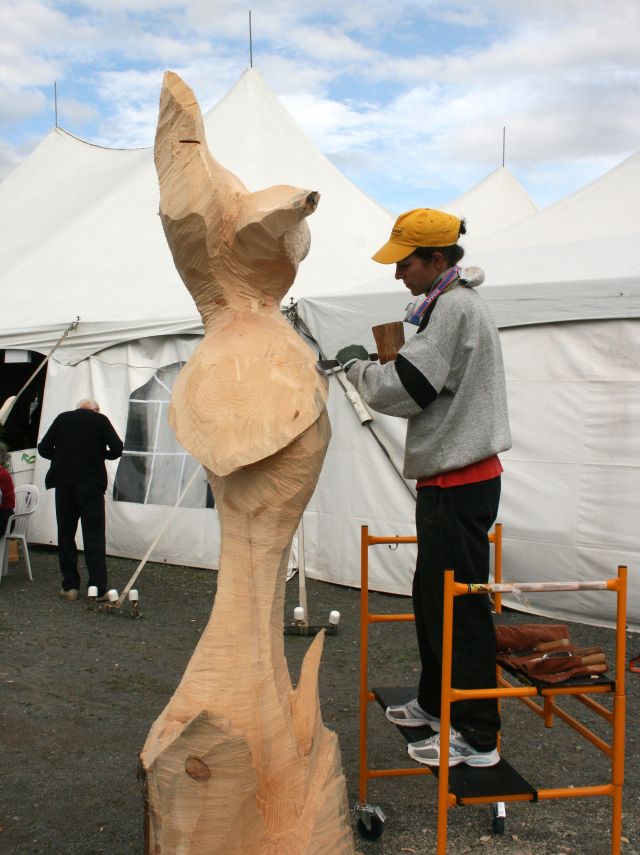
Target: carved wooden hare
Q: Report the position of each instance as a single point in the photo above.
(239, 761)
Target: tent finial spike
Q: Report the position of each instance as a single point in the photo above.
(250, 43)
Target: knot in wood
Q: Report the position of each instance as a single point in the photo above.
(197, 769)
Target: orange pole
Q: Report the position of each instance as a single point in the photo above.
(399, 773)
(549, 705)
(497, 797)
(574, 792)
(445, 712)
(619, 704)
(497, 565)
(542, 795)
(584, 731)
(364, 658)
(599, 709)
(510, 692)
(389, 618)
(579, 690)
(408, 539)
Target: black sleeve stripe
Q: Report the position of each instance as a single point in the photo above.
(415, 382)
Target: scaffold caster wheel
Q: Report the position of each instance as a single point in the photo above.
(371, 822)
(498, 817)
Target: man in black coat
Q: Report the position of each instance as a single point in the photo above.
(77, 444)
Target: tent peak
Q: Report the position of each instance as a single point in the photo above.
(498, 200)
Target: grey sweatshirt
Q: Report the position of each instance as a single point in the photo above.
(448, 382)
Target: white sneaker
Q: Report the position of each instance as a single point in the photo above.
(411, 714)
(427, 751)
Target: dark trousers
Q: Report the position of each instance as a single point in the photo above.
(5, 516)
(84, 502)
(452, 526)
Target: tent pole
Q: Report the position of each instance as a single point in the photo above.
(302, 580)
(164, 527)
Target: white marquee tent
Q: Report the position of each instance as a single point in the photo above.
(86, 240)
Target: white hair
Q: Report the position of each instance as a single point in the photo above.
(88, 404)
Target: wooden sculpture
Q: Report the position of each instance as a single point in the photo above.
(239, 761)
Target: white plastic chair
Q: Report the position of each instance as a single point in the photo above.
(27, 498)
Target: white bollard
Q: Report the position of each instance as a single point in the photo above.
(113, 595)
(92, 592)
(298, 614)
(334, 618)
(133, 595)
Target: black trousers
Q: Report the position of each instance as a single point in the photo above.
(84, 502)
(5, 515)
(452, 526)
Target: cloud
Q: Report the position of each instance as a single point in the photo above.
(76, 112)
(14, 110)
(37, 41)
(407, 100)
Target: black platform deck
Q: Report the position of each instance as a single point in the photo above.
(465, 782)
(584, 682)
(581, 682)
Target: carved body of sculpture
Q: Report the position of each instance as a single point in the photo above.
(239, 761)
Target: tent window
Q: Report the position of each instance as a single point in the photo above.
(154, 468)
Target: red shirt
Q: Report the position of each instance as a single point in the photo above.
(8, 493)
(483, 470)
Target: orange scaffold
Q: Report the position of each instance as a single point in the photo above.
(499, 784)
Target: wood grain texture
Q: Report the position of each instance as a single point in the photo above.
(240, 761)
(389, 339)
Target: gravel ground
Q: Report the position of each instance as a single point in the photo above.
(80, 690)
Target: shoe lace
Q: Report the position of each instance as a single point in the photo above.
(436, 740)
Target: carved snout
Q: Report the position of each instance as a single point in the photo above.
(277, 209)
(271, 225)
(312, 202)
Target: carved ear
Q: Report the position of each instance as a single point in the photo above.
(189, 176)
(269, 220)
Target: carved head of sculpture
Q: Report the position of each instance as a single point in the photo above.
(232, 248)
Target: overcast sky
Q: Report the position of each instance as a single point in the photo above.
(408, 99)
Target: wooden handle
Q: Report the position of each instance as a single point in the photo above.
(547, 646)
(389, 339)
(594, 659)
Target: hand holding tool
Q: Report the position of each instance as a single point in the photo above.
(330, 364)
(347, 355)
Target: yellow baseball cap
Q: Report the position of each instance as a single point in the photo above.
(420, 227)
